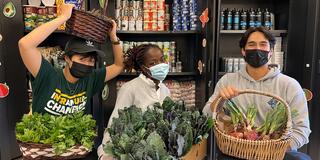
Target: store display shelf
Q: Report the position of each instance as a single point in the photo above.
(169, 74)
(276, 32)
(158, 32)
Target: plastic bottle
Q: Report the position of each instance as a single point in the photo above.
(243, 19)
(258, 19)
(252, 16)
(222, 19)
(267, 19)
(236, 19)
(229, 19)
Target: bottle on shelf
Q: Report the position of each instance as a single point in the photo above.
(229, 19)
(267, 19)
(236, 17)
(243, 19)
(258, 18)
(252, 16)
(222, 19)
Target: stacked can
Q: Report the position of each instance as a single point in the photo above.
(169, 52)
(118, 15)
(185, 15)
(161, 14)
(176, 15)
(150, 15)
(167, 18)
(30, 16)
(193, 14)
(42, 16)
(129, 15)
(172, 60)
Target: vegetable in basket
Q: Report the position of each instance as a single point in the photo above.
(243, 125)
(62, 132)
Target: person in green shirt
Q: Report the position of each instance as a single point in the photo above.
(68, 90)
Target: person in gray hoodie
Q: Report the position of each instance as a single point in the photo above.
(257, 48)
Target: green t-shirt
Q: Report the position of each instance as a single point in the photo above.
(52, 93)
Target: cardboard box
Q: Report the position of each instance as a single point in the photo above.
(197, 152)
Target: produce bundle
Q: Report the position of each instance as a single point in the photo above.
(62, 132)
(242, 125)
(166, 131)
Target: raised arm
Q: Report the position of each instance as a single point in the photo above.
(28, 44)
(117, 67)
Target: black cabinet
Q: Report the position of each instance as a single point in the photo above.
(12, 72)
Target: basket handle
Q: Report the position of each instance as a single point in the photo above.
(105, 7)
(219, 99)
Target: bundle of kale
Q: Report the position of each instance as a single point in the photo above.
(166, 131)
(62, 132)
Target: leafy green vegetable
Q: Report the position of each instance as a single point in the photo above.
(165, 131)
(275, 120)
(62, 132)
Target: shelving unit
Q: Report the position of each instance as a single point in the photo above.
(228, 40)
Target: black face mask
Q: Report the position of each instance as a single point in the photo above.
(256, 57)
(79, 70)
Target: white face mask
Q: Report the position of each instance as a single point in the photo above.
(159, 71)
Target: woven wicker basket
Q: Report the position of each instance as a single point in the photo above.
(248, 149)
(34, 151)
(88, 26)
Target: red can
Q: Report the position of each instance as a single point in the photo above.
(150, 25)
(147, 4)
(161, 15)
(161, 4)
(160, 26)
(150, 15)
(153, 4)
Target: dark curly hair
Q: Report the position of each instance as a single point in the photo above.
(263, 30)
(134, 57)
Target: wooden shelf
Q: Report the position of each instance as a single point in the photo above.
(158, 32)
(276, 32)
(169, 74)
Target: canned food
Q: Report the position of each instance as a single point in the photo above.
(132, 24)
(137, 5)
(124, 24)
(124, 4)
(118, 4)
(117, 13)
(161, 15)
(150, 15)
(146, 4)
(139, 25)
(166, 26)
(167, 8)
(160, 44)
(160, 26)
(161, 4)
(153, 5)
(150, 25)
(42, 16)
(30, 16)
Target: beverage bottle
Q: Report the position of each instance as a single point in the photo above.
(236, 19)
(243, 19)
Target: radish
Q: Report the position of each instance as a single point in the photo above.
(236, 135)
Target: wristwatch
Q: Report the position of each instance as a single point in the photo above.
(116, 42)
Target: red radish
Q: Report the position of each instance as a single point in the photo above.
(4, 90)
(251, 135)
(236, 135)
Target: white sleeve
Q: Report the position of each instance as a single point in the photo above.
(124, 99)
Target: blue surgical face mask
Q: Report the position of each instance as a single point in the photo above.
(159, 71)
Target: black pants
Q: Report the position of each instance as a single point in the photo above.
(292, 155)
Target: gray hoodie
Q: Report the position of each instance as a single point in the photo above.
(273, 82)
